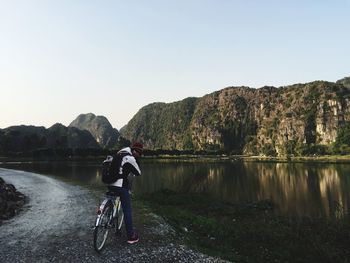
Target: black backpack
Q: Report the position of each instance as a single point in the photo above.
(110, 168)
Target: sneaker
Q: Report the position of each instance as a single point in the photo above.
(133, 239)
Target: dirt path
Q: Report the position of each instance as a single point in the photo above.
(56, 226)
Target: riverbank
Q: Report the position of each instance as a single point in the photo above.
(191, 158)
(251, 232)
(318, 159)
(246, 158)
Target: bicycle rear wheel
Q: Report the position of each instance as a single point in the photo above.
(102, 228)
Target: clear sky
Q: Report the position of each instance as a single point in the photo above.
(62, 58)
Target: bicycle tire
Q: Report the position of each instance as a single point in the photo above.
(119, 218)
(102, 229)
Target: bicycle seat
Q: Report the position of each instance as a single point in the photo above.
(111, 193)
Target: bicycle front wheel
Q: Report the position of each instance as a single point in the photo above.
(102, 228)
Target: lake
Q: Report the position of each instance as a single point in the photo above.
(297, 189)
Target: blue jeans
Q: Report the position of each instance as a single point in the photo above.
(126, 206)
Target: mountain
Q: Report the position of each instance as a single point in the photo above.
(345, 82)
(296, 119)
(87, 131)
(300, 119)
(99, 127)
(69, 137)
(22, 138)
(27, 138)
(162, 125)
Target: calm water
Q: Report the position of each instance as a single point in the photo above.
(298, 189)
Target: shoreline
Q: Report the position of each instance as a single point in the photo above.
(194, 158)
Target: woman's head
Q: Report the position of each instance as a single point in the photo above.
(137, 149)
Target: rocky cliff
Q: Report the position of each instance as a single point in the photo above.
(162, 125)
(99, 127)
(271, 121)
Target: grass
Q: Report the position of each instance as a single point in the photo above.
(251, 232)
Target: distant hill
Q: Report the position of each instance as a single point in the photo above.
(87, 131)
(28, 138)
(70, 137)
(298, 119)
(99, 127)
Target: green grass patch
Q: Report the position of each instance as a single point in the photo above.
(251, 232)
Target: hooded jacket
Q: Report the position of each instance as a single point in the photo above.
(128, 166)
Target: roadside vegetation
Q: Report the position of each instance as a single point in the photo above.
(251, 232)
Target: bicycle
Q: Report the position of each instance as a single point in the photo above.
(109, 215)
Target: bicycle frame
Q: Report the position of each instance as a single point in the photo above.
(114, 200)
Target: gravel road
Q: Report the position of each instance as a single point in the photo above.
(56, 226)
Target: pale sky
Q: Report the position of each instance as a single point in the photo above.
(59, 59)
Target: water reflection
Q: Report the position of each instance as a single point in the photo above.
(298, 189)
